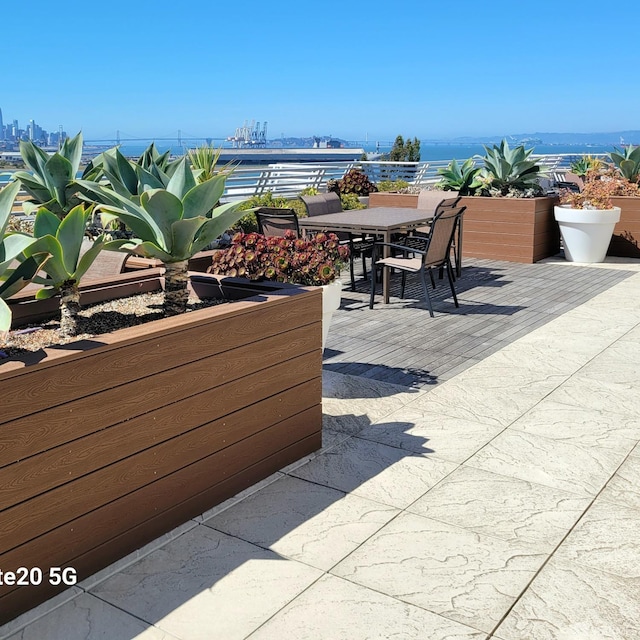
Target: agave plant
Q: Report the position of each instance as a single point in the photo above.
(51, 181)
(204, 161)
(627, 161)
(460, 178)
(510, 171)
(171, 224)
(62, 241)
(12, 278)
(585, 164)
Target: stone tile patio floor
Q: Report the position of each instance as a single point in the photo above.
(495, 498)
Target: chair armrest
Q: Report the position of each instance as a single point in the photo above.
(400, 247)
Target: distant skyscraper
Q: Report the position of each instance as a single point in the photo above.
(1, 126)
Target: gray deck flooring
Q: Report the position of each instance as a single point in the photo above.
(499, 302)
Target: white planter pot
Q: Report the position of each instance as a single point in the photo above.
(586, 233)
(331, 295)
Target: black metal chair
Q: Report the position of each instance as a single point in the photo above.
(276, 222)
(422, 254)
(358, 247)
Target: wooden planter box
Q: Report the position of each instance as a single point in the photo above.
(108, 443)
(201, 261)
(389, 199)
(512, 229)
(626, 235)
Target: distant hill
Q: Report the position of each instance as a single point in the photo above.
(610, 138)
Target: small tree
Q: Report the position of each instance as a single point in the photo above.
(397, 153)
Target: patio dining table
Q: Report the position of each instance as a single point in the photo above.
(380, 221)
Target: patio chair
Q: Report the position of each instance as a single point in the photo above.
(434, 252)
(276, 222)
(442, 205)
(358, 247)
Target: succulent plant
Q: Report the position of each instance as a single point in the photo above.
(62, 241)
(13, 278)
(51, 181)
(354, 181)
(599, 187)
(460, 178)
(510, 171)
(170, 223)
(627, 161)
(585, 164)
(313, 260)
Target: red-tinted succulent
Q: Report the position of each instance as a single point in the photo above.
(314, 260)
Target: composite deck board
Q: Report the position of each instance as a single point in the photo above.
(499, 302)
(43, 388)
(34, 517)
(52, 427)
(67, 462)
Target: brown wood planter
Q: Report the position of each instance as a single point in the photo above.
(108, 443)
(512, 229)
(626, 235)
(389, 199)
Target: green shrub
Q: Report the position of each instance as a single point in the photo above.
(350, 201)
(392, 185)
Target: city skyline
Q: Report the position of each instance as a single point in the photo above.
(352, 71)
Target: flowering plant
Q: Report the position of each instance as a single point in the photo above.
(599, 187)
(314, 260)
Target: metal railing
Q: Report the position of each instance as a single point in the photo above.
(288, 179)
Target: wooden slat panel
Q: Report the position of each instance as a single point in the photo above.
(383, 199)
(53, 427)
(196, 335)
(34, 517)
(522, 228)
(66, 463)
(93, 541)
(497, 251)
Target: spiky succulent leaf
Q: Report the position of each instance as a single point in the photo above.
(7, 198)
(120, 173)
(223, 218)
(182, 180)
(70, 235)
(58, 173)
(72, 151)
(183, 235)
(165, 209)
(18, 278)
(34, 157)
(54, 266)
(46, 223)
(34, 187)
(151, 250)
(203, 197)
(11, 247)
(148, 180)
(131, 213)
(45, 294)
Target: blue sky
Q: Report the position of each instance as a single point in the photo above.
(347, 69)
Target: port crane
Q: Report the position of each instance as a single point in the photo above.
(249, 135)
